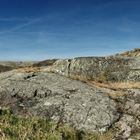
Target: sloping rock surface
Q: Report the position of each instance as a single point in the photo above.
(76, 103)
(58, 98)
(128, 126)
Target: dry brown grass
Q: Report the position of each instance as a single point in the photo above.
(117, 95)
(117, 85)
(109, 85)
(28, 69)
(132, 53)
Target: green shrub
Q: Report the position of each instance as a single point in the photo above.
(13, 127)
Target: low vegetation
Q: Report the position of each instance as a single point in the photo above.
(28, 69)
(133, 53)
(103, 83)
(14, 127)
(118, 85)
(5, 68)
(48, 62)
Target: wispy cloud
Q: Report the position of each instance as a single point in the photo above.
(22, 25)
(8, 19)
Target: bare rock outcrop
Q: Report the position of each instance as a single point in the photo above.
(100, 69)
(128, 126)
(58, 98)
(63, 100)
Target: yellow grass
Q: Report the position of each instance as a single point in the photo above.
(110, 85)
(117, 95)
(28, 69)
(117, 85)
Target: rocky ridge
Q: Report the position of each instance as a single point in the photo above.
(133, 53)
(61, 93)
(82, 106)
(101, 69)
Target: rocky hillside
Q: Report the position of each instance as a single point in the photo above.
(9, 65)
(48, 62)
(117, 68)
(65, 101)
(132, 53)
(90, 94)
(100, 69)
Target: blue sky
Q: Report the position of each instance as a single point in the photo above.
(42, 29)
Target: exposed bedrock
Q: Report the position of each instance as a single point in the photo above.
(64, 100)
(58, 98)
(99, 68)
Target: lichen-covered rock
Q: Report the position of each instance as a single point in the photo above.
(100, 69)
(58, 98)
(35, 91)
(128, 125)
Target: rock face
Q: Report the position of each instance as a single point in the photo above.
(58, 98)
(128, 125)
(99, 68)
(134, 74)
